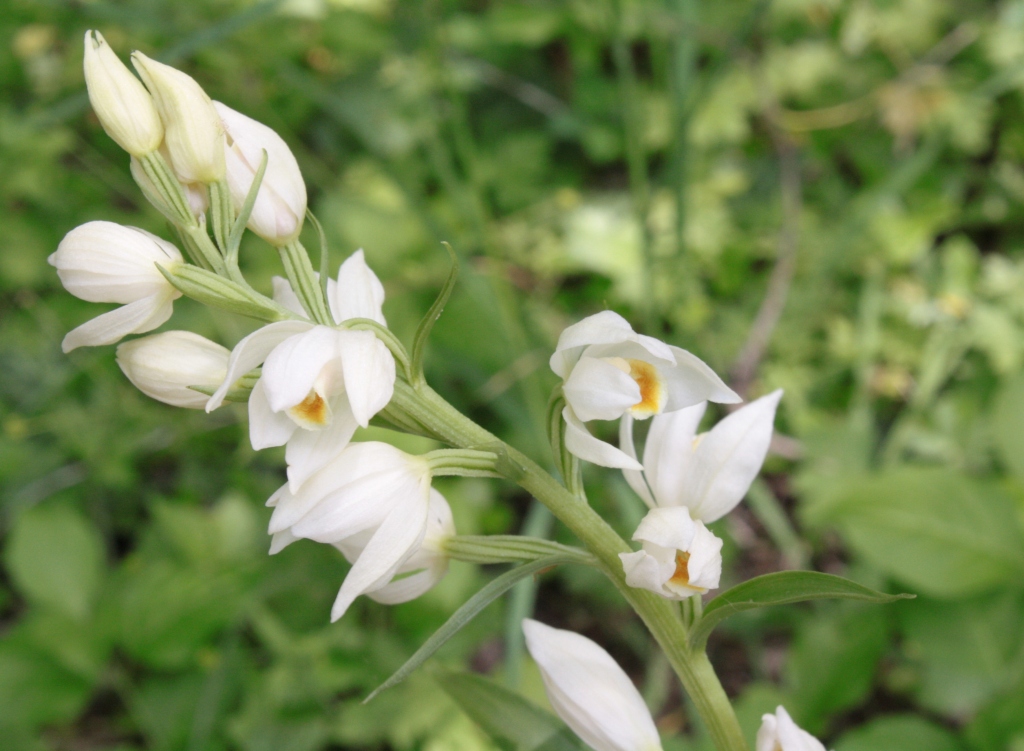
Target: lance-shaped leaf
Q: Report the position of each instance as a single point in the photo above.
(782, 588)
(427, 324)
(508, 718)
(218, 292)
(467, 612)
(235, 238)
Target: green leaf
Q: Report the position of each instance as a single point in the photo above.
(935, 529)
(467, 612)
(235, 238)
(419, 343)
(899, 733)
(782, 588)
(217, 292)
(55, 556)
(1006, 432)
(514, 723)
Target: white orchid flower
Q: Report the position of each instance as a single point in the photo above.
(319, 383)
(608, 371)
(373, 500)
(680, 557)
(589, 690)
(709, 473)
(280, 206)
(106, 262)
(166, 366)
(778, 732)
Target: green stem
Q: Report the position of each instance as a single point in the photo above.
(299, 270)
(661, 616)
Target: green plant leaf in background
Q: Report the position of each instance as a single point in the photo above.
(55, 556)
(899, 733)
(513, 722)
(937, 530)
(1006, 425)
(782, 588)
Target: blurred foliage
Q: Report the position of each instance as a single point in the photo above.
(856, 164)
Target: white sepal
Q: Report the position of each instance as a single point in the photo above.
(679, 557)
(280, 207)
(357, 293)
(165, 366)
(193, 130)
(590, 691)
(778, 732)
(124, 107)
(582, 444)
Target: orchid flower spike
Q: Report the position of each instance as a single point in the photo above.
(373, 500)
(106, 262)
(608, 371)
(167, 366)
(680, 557)
(709, 473)
(589, 690)
(319, 383)
(778, 732)
(280, 206)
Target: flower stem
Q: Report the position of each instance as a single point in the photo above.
(661, 616)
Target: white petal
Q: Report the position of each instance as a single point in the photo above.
(281, 540)
(369, 369)
(284, 295)
(590, 691)
(729, 457)
(253, 350)
(692, 381)
(266, 427)
(359, 293)
(598, 390)
(645, 571)
(134, 318)
(395, 540)
(667, 527)
(634, 478)
(601, 328)
(779, 731)
(582, 444)
(293, 366)
(311, 450)
(410, 587)
(705, 563)
(668, 455)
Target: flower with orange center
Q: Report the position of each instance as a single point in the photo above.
(609, 371)
(679, 557)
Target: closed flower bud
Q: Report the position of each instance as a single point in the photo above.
(198, 200)
(122, 104)
(680, 557)
(778, 732)
(280, 204)
(165, 366)
(106, 262)
(192, 128)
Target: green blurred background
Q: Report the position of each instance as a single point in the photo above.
(821, 195)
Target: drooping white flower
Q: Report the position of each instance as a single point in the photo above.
(280, 206)
(192, 128)
(778, 732)
(589, 690)
(106, 262)
(319, 382)
(373, 500)
(165, 366)
(679, 558)
(608, 370)
(710, 473)
(124, 107)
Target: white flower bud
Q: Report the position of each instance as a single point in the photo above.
(106, 262)
(193, 131)
(680, 557)
(280, 206)
(779, 733)
(198, 199)
(165, 366)
(122, 104)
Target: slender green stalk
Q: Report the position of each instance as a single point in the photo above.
(661, 616)
(299, 270)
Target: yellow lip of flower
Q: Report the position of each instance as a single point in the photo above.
(652, 387)
(312, 413)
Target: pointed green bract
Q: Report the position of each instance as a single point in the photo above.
(235, 238)
(218, 292)
(427, 324)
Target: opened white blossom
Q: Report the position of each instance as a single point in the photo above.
(167, 366)
(280, 204)
(589, 690)
(608, 371)
(373, 500)
(778, 732)
(193, 130)
(709, 473)
(107, 262)
(679, 557)
(319, 383)
(124, 107)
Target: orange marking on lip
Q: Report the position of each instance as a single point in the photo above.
(682, 572)
(652, 391)
(312, 410)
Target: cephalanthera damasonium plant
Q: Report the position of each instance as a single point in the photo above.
(325, 363)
